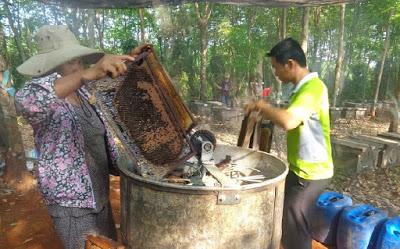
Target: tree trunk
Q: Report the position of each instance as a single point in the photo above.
(353, 33)
(99, 23)
(203, 62)
(250, 22)
(75, 23)
(202, 19)
(15, 157)
(394, 122)
(397, 88)
(17, 35)
(14, 153)
(83, 24)
(54, 10)
(394, 127)
(317, 18)
(384, 54)
(260, 66)
(46, 17)
(365, 85)
(3, 45)
(91, 33)
(306, 29)
(339, 62)
(28, 37)
(394, 112)
(282, 30)
(142, 31)
(387, 78)
(282, 35)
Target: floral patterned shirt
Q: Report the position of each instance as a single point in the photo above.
(63, 174)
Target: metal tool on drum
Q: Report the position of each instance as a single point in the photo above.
(206, 158)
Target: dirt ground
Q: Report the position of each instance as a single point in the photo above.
(25, 223)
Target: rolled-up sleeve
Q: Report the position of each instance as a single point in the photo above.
(37, 100)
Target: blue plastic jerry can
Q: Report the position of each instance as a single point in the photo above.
(358, 227)
(10, 91)
(326, 216)
(389, 236)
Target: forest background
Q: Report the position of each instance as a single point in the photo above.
(354, 47)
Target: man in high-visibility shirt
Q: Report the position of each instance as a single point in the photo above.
(306, 121)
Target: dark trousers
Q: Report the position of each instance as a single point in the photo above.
(225, 99)
(300, 196)
(72, 228)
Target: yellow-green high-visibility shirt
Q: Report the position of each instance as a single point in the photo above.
(308, 145)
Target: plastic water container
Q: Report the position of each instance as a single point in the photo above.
(31, 157)
(389, 236)
(358, 227)
(31, 154)
(2, 165)
(326, 216)
(11, 91)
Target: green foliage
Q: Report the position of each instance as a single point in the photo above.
(358, 87)
(238, 38)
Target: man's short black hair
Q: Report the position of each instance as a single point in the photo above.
(287, 49)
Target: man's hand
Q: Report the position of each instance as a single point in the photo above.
(281, 117)
(259, 105)
(109, 64)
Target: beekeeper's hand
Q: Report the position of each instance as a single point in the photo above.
(112, 65)
(139, 49)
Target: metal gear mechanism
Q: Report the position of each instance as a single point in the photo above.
(201, 136)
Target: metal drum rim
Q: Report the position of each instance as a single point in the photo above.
(201, 190)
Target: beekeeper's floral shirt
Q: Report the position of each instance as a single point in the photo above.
(63, 174)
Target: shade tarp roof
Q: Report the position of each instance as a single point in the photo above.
(151, 3)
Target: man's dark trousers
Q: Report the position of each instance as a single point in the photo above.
(299, 204)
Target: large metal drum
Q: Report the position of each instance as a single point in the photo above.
(158, 215)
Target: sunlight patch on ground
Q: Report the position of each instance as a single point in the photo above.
(27, 183)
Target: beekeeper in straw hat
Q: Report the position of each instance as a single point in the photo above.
(73, 140)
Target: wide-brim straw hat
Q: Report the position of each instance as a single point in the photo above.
(56, 46)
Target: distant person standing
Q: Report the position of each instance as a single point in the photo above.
(258, 88)
(225, 87)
